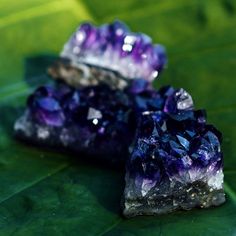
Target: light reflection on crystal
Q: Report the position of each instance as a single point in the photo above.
(94, 114)
(95, 121)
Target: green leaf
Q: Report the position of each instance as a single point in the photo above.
(48, 193)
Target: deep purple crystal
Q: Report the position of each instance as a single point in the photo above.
(174, 155)
(179, 100)
(117, 30)
(168, 99)
(95, 119)
(45, 107)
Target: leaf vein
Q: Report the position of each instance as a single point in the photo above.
(110, 227)
(59, 169)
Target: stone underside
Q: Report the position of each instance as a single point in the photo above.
(85, 74)
(168, 197)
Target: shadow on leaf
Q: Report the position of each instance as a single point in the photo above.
(36, 69)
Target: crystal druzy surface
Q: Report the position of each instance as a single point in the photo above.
(96, 120)
(111, 50)
(93, 120)
(176, 163)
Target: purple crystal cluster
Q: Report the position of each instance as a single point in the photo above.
(115, 47)
(176, 163)
(93, 119)
(102, 104)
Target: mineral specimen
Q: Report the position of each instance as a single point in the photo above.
(109, 53)
(94, 119)
(102, 104)
(176, 163)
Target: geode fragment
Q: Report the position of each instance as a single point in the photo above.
(176, 163)
(110, 54)
(93, 120)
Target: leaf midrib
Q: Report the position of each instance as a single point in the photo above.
(45, 9)
(37, 181)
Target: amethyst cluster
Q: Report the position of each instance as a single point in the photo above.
(176, 163)
(102, 104)
(94, 119)
(109, 54)
(115, 47)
